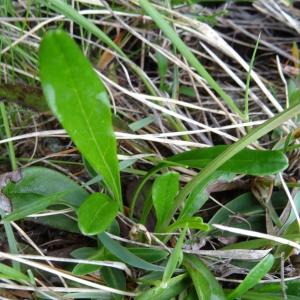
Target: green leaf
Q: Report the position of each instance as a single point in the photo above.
(125, 255)
(204, 281)
(96, 213)
(164, 190)
(44, 182)
(247, 161)
(231, 151)
(61, 222)
(7, 272)
(199, 195)
(266, 296)
(193, 223)
(38, 182)
(254, 276)
(89, 254)
(139, 124)
(149, 254)
(292, 287)
(245, 205)
(174, 259)
(114, 278)
(83, 252)
(162, 63)
(251, 244)
(173, 287)
(40, 204)
(260, 163)
(79, 100)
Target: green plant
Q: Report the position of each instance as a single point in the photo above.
(79, 100)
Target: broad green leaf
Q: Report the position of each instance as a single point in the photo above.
(125, 255)
(79, 100)
(204, 281)
(174, 259)
(38, 182)
(249, 209)
(173, 287)
(29, 208)
(253, 277)
(7, 272)
(247, 161)
(193, 223)
(96, 213)
(164, 190)
(44, 182)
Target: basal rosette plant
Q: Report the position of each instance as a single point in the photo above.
(78, 98)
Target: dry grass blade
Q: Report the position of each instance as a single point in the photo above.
(259, 235)
(64, 275)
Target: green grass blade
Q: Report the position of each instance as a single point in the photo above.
(71, 13)
(187, 53)
(174, 286)
(7, 272)
(11, 240)
(41, 203)
(12, 243)
(174, 259)
(246, 109)
(33, 185)
(11, 150)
